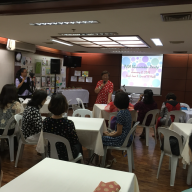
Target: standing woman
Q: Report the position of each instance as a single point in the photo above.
(104, 89)
(23, 83)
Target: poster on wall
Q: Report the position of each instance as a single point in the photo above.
(85, 73)
(43, 81)
(74, 78)
(81, 79)
(23, 60)
(89, 79)
(30, 69)
(37, 67)
(47, 70)
(77, 73)
(27, 60)
(43, 70)
(48, 81)
(52, 81)
(45, 62)
(38, 82)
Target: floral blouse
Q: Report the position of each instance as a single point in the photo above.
(31, 122)
(10, 110)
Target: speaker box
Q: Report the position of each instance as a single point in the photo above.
(55, 66)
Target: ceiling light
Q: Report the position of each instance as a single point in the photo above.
(106, 43)
(133, 38)
(83, 43)
(61, 42)
(96, 38)
(131, 42)
(112, 46)
(157, 42)
(72, 39)
(89, 34)
(65, 23)
(91, 45)
(136, 46)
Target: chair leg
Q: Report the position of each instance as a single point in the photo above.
(184, 166)
(21, 151)
(82, 162)
(160, 162)
(129, 158)
(174, 160)
(133, 164)
(154, 128)
(147, 135)
(18, 153)
(11, 147)
(189, 175)
(104, 157)
(169, 163)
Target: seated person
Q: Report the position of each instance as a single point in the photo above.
(32, 120)
(145, 103)
(58, 125)
(9, 106)
(170, 105)
(112, 108)
(123, 125)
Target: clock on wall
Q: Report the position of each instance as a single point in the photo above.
(18, 56)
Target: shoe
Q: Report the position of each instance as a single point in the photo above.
(110, 163)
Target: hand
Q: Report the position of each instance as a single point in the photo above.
(141, 97)
(102, 85)
(23, 80)
(106, 133)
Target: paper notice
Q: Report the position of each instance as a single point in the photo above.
(77, 73)
(43, 70)
(43, 81)
(89, 79)
(81, 79)
(73, 78)
(85, 73)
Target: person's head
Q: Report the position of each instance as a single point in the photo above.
(148, 96)
(58, 104)
(105, 75)
(121, 100)
(38, 99)
(8, 95)
(171, 96)
(22, 72)
(118, 91)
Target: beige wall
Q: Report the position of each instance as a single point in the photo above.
(6, 67)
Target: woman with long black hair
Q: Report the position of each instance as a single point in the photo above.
(23, 84)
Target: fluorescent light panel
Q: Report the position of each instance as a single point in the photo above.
(64, 23)
(83, 43)
(106, 43)
(135, 46)
(112, 46)
(157, 42)
(61, 42)
(91, 45)
(131, 42)
(72, 39)
(89, 34)
(96, 38)
(133, 38)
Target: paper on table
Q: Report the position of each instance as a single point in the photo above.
(77, 73)
(81, 79)
(89, 79)
(73, 78)
(85, 73)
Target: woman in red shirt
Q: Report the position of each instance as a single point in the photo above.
(104, 89)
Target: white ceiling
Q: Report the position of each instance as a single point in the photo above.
(145, 22)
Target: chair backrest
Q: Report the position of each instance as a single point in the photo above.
(9, 122)
(167, 134)
(190, 120)
(184, 105)
(178, 114)
(82, 113)
(114, 114)
(79, 101)
(131, 132)
(21, 100)
(152, 112)
(53, 139)
(69, 101)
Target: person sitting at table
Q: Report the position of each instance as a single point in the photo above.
(58, 125)
(169, 105)
(145, 103)
(32, 120)
(9, 106)
(123, 126)
(112, 108)
(104, 89)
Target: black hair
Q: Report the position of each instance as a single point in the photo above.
(58, 104)
(171, 96)
(38, 97)
(105, 72)
(8, 95)
(118, 91)
(18, 74)
(121, 100)
(148, 96)
(190, 141)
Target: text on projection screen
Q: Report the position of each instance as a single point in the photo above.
(141, 72)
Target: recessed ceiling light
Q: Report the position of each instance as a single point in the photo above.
(157, 42)
(96, 38)
(134, 38)
(89, 34)
(131, 42)
(61, 42)
(64, 23)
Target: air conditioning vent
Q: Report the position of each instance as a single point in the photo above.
(180, 52)
(176, 16)
(176, 42)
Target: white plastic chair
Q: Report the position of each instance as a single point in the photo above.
(189, 121)
(189, 174)
(22, 141)
(21, 100)
(184, 105)
(79, 101)
(179, 116)
(53, 139)
(124, 148)
(134, 98)
(10, 138)
(82, 113)
(69, 101)
(167, 151)
(152, 124)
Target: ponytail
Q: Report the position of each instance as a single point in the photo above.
(18, 74)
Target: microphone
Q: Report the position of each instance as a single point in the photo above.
(104, 82)
(124, 88)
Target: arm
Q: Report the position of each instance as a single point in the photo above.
(109, 97)
(73, 134)
(99, 87)
(115, 133)
(110, 93)
(18, 84)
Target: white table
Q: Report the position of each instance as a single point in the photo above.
(89, 131)
(54, 175)
(99, 112)
(72, 94)
(44, 109)
(188, 115)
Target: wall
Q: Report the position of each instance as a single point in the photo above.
(95, 63)
(6, 67)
